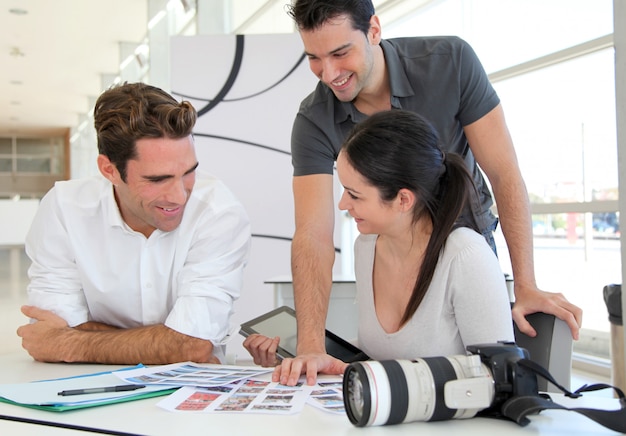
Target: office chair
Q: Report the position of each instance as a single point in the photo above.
(551, 348)
(613, 298)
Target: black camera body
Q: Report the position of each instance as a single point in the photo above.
(510, 378)
(437, 388)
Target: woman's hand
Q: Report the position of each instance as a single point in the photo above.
(262, 349)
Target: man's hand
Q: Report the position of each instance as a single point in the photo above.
(42, 338)
(532, 300)
(262, 349)
(289, 371)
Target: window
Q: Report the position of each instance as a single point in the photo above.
(507, 32)
(558, 95)
(30, 166)
(565, 137)
(32, 155)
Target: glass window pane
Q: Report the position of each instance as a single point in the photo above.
(6, 165)
(34, 146)
(6, 146)
(568, 262)
(33, 165)
(585, 265)
(508, 32)
(564, 129)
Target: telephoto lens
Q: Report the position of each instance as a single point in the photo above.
(429, 389)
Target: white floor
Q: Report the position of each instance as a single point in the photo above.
(13, 280)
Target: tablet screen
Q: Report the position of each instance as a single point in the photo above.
(282, 324)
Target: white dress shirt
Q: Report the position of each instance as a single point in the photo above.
(88, 265)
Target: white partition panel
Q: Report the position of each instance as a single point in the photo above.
(247, 90)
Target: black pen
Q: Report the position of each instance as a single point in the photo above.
(119, 388)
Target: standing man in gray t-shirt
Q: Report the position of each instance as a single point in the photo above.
(361, 74)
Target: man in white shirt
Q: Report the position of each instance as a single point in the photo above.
(143, 264)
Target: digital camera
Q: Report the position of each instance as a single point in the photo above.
(436, 388)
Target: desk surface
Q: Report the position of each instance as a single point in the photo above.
(143, 417)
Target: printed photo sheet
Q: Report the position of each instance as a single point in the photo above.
(257, 395)
(191, 374)
(246, 396)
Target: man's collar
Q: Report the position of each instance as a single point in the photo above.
(398, 81)
(114, 216)
(345, 110)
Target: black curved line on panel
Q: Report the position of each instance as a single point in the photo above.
(226, 100)
(225, 138)
(230, 81)
(282, 238)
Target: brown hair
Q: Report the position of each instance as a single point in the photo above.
(313, 14)
(125, 113)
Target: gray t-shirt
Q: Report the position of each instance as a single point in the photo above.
(466, 303)
(440, 78)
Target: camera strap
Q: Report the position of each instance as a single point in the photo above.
(517, 408)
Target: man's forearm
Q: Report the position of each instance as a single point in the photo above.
(515, 220)
(311, 266)
(155, 344)
(92, 326)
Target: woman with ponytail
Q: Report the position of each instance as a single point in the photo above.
(428, 284)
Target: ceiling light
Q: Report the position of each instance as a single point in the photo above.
(18, 11)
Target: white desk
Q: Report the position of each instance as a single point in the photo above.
(143, 417)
